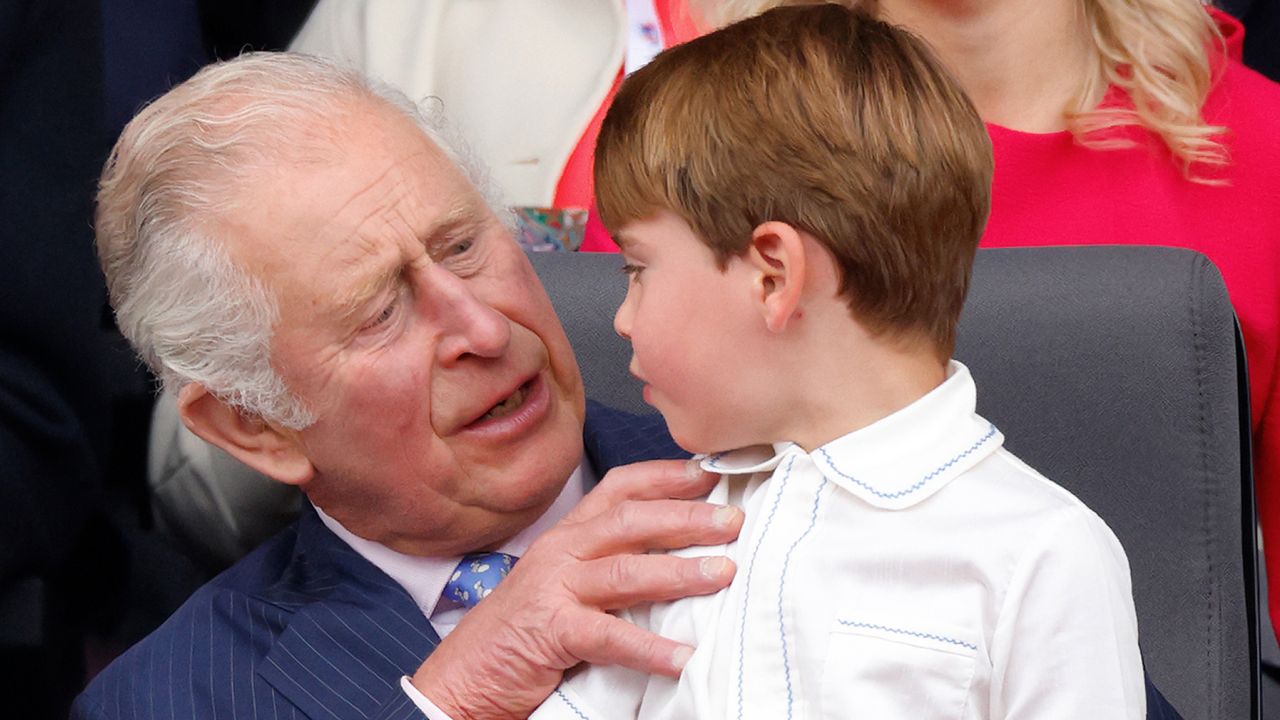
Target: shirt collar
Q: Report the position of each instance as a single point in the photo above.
(424, 578)
(898, 460)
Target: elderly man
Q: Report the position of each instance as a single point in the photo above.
(298, 253)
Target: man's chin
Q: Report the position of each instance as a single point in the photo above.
(542, 463)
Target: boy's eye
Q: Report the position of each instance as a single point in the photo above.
(632, 271)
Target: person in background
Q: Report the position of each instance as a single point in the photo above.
(1262, 43)
(1126, 122)
(54, 406)
(528, 83)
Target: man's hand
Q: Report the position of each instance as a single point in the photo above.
(549, 614)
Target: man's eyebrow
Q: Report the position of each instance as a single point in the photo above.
(456, 217)
(352, 305)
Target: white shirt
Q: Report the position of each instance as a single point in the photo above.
(910, 569)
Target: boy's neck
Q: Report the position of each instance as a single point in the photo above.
(1020, 61)
(837, 390)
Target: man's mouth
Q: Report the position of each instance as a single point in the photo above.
(515, 415)
(508, 405)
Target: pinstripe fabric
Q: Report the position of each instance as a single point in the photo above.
(301, 628)
(304, 627)
(614, 438)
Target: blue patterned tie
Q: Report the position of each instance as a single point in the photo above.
(476, 576)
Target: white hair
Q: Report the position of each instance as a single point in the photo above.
(190, 312)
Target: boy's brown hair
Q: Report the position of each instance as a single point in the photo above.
(824, 118)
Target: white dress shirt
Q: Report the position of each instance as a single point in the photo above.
(910, 569)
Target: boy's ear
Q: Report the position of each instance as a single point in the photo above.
(272, 451)
(777, 255)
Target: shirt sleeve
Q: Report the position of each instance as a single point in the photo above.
(602, 692)
(1066, 643)
(428, 708)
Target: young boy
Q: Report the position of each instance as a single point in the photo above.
(799, 198)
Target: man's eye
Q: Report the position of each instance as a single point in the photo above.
(387, 313)
(460, 247)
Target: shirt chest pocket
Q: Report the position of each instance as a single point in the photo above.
(897, 668)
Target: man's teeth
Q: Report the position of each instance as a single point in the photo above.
(506, 406)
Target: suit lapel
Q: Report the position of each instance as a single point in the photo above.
(353, 631)
(612, 438)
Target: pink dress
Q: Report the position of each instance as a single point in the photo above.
(1050, 191)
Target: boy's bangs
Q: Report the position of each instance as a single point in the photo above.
(637, 171)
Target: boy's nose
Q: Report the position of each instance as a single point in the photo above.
(622, 318)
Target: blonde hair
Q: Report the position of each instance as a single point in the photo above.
(1156, 51)
(871, 148)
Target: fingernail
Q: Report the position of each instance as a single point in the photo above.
(725, 516)
(692, 468)
(714, 568)
(680, 657)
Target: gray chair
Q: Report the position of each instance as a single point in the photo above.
(1114, 371)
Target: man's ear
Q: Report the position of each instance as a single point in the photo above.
(777, 255)
(272, 451)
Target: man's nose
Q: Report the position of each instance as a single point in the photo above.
(466, 324)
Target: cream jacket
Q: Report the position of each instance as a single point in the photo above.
(521, 78)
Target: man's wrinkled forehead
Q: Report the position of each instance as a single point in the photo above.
(378, 187)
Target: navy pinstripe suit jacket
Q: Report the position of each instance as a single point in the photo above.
(304, 627)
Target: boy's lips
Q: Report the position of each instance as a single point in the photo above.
(635, 372)
(645, 392)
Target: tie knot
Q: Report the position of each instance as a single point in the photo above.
(476, 576)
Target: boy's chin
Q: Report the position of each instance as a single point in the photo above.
(696, 440)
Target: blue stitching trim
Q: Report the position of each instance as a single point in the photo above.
(751, 566)
(912, 633)
(714, 460)
(920, 483)
(782, 583)
(572, 707)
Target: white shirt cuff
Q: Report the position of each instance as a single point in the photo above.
(427, 707)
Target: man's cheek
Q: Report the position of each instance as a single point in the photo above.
(393, 397)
